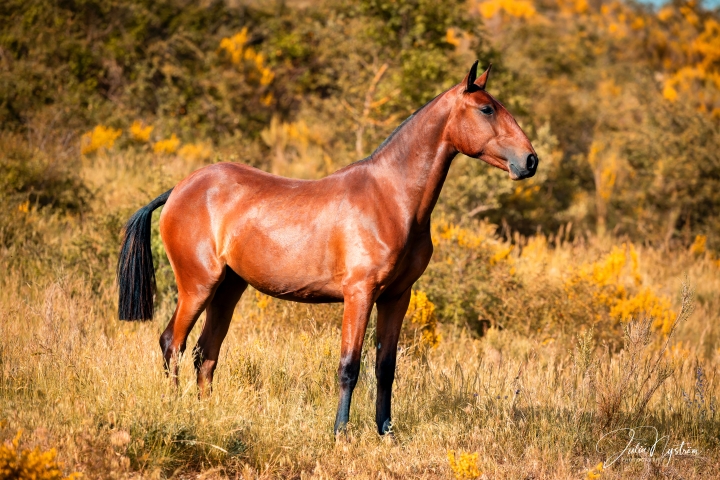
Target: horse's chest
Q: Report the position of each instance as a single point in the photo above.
(410, 265)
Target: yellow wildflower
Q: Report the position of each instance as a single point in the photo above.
(140, 132)
(168, 146)
(581, 6)
(421, 312)
(595, 472)
(501, 254)
(30, 464)
(239, 53)
(234, 45)
(451, 37)
(195, 152)
(514, 8)
(266, 76)
(698, 246)
(666, 13)
(267, 99)
(670, 93)
(99, 137)
(464, 466)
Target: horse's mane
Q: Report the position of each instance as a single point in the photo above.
(400, 127)
(389, 138)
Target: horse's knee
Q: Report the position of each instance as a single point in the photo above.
(385, 372)
(169, 348)
(348, 373)
(165, 342)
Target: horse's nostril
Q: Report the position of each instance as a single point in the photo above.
(532, 162)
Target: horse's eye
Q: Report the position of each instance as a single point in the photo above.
(486, 110)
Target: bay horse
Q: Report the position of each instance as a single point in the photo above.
(359, 236)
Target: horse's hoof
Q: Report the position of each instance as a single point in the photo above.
(387, 430)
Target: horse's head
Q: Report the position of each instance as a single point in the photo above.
(480, 127)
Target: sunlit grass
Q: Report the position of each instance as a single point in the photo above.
(77, 379)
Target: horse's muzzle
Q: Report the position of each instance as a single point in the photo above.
(519, 171)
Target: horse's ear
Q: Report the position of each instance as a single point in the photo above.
(482, 80)
(470, 78)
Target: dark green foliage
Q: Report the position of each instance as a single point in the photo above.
(30, 174)
(97, 61)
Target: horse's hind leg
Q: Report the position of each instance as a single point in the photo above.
(217, 322)
(173, 340)
(195, 290)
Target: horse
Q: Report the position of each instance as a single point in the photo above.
(360, 236)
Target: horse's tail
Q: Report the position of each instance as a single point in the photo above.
(135, 269)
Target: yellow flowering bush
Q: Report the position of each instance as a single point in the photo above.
(603, 276)
(595, 472)
(140, 132)
(476, 280)
(648, 303)
(421, 313)
(195, 152)
(97, 138)
(30, 464)
(514, 8)
(452, 38)
(168, 146)
(470, 272)
(234, 45)
(464, 237)
(613, 283)
(240, 54)
(699, 245)
(464, 465)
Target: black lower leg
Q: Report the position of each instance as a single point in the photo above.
(348, 373)
(385, 373)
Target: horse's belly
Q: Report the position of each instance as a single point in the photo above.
(297, 275)
(297, 289)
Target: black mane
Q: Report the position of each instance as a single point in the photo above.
(400, 127)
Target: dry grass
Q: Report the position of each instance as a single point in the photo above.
(530, 400)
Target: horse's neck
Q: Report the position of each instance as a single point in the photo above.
(416, 160)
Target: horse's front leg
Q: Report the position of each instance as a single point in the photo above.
(391, 313)
(358, 304)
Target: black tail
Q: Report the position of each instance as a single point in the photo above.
(135, 269)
